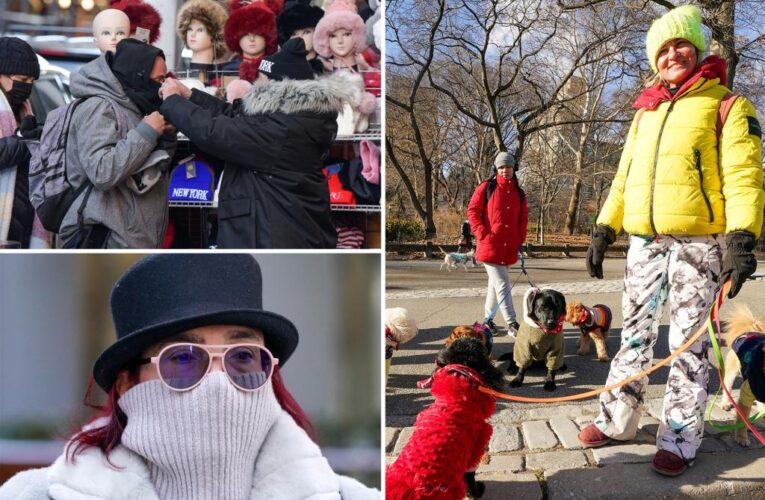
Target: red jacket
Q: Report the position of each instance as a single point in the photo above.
(499, 225)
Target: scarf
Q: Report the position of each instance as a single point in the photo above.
(40, 237)
(202, 443)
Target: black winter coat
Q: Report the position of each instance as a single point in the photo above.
(13, 152)
(273, 193)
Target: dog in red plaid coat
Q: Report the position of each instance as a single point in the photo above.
(451, 435)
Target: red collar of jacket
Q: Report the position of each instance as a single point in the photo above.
(506, 183)
(462, 370)
(712, 67)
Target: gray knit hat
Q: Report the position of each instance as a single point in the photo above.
(504, 158)
(18, 58)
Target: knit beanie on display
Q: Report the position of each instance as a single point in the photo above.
(18, 58)
(290, 62)
(297, 15)
(141, 15)
(682, 22)
(253, 18)
(208, 12)
(340, 14)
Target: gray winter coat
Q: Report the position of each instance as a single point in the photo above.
(97, 153)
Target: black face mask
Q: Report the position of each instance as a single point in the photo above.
(20, 92)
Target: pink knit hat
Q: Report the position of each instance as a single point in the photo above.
(340, 14)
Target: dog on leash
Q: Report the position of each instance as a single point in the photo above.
(453, 260)
(540, 338)
(745, 335)
(451, 435)
(400, 328)
(594, 323)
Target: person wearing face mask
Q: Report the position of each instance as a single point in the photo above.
(196, 406)
(273, 192)
(18, 70)
(689, 192)
(119, 145)
(499, 214)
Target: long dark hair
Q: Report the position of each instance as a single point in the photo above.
(107, 437)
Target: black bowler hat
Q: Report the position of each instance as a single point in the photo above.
(162, 295)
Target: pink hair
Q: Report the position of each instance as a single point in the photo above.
(107, 437)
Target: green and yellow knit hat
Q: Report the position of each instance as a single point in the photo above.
(681, 22)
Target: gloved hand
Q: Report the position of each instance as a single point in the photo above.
(29, 129)
(739, 262)
(601, 238)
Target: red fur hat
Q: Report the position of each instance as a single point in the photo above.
(276, 6)
(141, 15)
(254, 18)
(340, 14)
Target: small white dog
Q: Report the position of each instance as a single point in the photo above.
(453, 260)
(400, 328)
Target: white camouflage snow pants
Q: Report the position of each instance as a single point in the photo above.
(687, 271)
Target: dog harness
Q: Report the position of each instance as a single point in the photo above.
(597, 316)
(748, 348)
(463, 370)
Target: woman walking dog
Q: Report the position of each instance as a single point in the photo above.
(689, 181)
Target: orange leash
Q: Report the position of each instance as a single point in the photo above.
(584, 395)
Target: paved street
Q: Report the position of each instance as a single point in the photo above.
(533, 452)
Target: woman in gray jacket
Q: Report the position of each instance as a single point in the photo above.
(196, 406)
(119, 146)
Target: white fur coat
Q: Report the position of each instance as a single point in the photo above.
(289, 466)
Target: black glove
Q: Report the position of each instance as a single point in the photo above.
(738, 262)
(29, 129)
(601, 238)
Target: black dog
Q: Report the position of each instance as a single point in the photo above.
(540, 338)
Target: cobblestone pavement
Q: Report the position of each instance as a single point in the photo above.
(534, 453)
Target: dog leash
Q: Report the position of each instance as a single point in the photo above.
(745, 420)
(584, 395)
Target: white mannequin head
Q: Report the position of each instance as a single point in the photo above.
(198, 39)
(109, 27)
(341, 42)
(252, 45)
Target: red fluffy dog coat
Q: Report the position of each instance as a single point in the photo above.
(450, 437)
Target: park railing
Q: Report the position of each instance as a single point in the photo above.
(430, 249)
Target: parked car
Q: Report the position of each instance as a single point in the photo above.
(50, 91)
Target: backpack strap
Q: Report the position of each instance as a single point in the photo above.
(491, 185)
(722, 114)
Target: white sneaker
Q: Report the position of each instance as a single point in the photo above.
(512, 329)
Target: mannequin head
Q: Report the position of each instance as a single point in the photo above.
(109, 27)
(199, 24)
(197, 37)
(341, 42)
(252, 45)
(307, 35)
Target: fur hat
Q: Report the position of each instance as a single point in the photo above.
(401, 325)
(682, 22)
(297, 15)
(340, 14)
(275, 6)
(254, 18)
(208, 12)
(141, 15)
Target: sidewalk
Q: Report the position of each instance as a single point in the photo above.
(534, 453)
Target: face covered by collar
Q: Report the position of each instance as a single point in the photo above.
(749, 349)
(132, 64)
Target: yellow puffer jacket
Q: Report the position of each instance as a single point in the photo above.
(670, 178)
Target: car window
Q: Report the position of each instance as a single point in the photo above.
(48, 93)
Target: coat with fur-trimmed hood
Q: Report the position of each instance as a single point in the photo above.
(273, 192)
